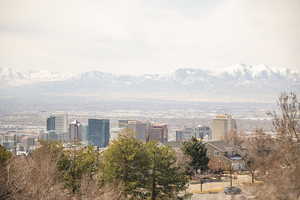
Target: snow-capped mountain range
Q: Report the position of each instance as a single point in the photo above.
(12, 77)
(239, 81)
(241, 73)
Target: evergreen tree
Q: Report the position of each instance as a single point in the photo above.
(198, 154)
(165, 179)
(126, 162)
(4, 155)
(143, 170)
(74, 164)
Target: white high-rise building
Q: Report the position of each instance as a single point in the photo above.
(222, 125)
(75, 129)
(61, 123)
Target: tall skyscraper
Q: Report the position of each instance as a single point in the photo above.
(222, 125)
(58, 123)
(51, 123)
(84, 133)
(61, 123)
(139, 128)
(75, 131)
(158, 132)
(98, 132)
(58, 126)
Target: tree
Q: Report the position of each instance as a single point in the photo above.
(35, 176)
(126, 162)
(5, 156)
(165, 179)
(235, 139)
(218, 165)
(142, 170)
(76, 164)
(198, 154)
(255, 153)
(247, 148)
(279, 153)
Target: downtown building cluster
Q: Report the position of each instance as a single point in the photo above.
(146, 131)
(221, 126)
(20, 144)
(97, 132)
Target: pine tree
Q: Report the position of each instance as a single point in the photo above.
(73, 165)
(126, 162)
(165, 179)
(198, 154)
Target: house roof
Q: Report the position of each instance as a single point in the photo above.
(220, 145)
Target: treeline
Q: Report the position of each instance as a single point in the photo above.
(127, 169)
(275, 159)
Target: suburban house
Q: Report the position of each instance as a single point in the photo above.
(226, 152)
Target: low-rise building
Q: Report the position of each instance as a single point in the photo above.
(200, 132)
(226, 152)
(185, 134)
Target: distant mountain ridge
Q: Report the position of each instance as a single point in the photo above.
(243, 82)
(241, 72)
(12, 77)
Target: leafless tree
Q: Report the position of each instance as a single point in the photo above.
(34, 177)
(277, 156)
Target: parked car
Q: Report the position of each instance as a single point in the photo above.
(232, 190)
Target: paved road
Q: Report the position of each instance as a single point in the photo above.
(219, 196)
(246, 195)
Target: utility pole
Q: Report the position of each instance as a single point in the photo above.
(231, 175)
(201, 184)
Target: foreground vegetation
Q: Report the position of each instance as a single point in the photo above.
(128, 169)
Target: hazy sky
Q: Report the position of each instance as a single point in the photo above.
(148, 36)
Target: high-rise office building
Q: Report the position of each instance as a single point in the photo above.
(158, 132)
(84, 133)
(58, 123)
(57, 128)
(75, 131)
(140, 129)
(51, 123)
(61, 123)
(98, 132)
(222, 125)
